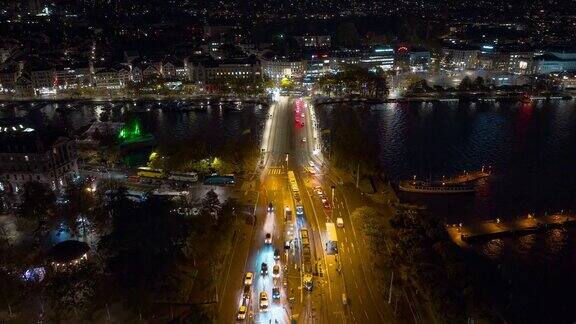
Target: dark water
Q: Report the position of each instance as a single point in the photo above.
(532, 151)
(213, 125)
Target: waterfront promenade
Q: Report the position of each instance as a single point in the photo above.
(462, 234)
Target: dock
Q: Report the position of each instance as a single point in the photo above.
(462, 234)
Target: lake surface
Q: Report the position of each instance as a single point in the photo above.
(532, 151)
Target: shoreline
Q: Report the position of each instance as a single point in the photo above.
(222, 98)
(464, 97)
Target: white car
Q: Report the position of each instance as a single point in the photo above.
(242, 312)
(311, 164)
(303, 139)
(263, 300)
(248, 278)
(339, 222)
(276, 271)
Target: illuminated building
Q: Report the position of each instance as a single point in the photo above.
(27, 154)
(555, 62)
(279, 67)
(460, 57)
(318, 41)
(378, 57)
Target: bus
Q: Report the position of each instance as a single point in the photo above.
(220, 180)
(295, 193)
(147, 172)
(183, 176)
(332, 244)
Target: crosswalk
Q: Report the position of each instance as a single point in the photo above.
(276, 170)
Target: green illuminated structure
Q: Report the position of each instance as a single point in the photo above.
(131, 136)
(130, 132)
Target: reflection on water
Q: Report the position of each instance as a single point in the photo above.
(213, 125)
(532, 151)
(492, 248)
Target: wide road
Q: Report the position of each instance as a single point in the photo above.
(290, 121)
(350, 266)
(252, 251)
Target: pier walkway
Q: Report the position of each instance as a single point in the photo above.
(462, 234)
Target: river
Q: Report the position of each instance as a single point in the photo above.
(532, 151)
(214, 125)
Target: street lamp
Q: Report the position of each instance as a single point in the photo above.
(332, 188)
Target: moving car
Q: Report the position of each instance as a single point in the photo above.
(276, 271)
(264, 269)
(339, 222)
(318, 191)
(268, 238)
(263, 300)
(246, 294)
(303, 139)
(311, 164)
(242, 312)
(248, 278)
(276, 254)
(326, 204)
(270, 207)
(276, 293)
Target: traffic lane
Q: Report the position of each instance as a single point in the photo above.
(357, 309)
(237, 277)
(349, 251)
(333, 263)
(353, 262)
(265, 282)
(317, 227)
(362, 306)
(359, 249)
(331, 310)
(282, 144)
(281, 198)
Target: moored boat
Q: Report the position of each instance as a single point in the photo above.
(425, 187)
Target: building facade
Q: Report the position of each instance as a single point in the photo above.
(277, 68)
(27, 155)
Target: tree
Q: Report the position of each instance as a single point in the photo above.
(211, 206)
(71, 294)
(355, 80)
(350, 145)
(465, 84)
(143, 250)
(479, 84)
(286, 84)
(38, 205)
